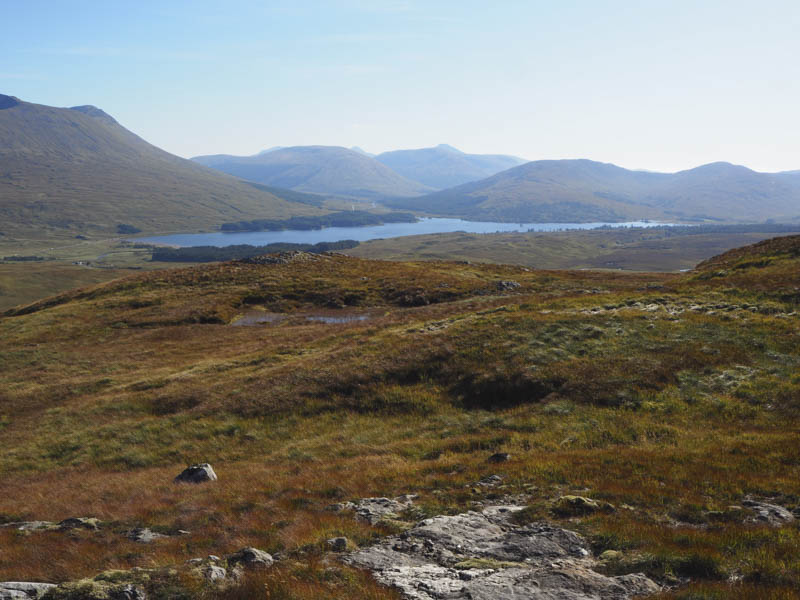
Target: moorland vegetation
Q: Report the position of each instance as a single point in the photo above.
(672, 397)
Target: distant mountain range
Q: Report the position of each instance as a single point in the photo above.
(444, 166)
(331, 170)
(78, 169)
(584, 190)
(358, 174)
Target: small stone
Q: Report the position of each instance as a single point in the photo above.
(337, 544)
(250, 558)
(499, 457)
(490, 481)
(214, 558)
(611, 555)
(199, 473)
(506, 286)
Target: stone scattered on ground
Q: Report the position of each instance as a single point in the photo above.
(374, 510)
(499, 457)
(23, 590)
(485, 556)
(577, 506)
(197, 474)
(144, 535)
(770, 514)
(250, 558)
(337, 544)
(507, 286)
(490, 481)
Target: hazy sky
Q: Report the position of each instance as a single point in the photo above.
(662, 85)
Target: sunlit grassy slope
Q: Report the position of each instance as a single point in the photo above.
(672, 397)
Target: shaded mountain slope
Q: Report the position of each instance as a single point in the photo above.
(318, 169)
(78, 169)
(584, 190)
(444, 166)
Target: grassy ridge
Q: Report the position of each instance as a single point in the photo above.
(674, 396)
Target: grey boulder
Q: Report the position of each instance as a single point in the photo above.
(23, 590)
(251, 558)
(199, 473)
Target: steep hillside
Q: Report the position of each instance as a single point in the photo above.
(318, 169)
(79, 170)
(444, 166)
(653, 414)
(583, 190)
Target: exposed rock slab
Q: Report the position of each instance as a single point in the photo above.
(23, 590)
(485, 556)
(769, 514)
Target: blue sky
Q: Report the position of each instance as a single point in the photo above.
(662, 85)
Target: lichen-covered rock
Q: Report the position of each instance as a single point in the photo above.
(199, 473)
(576, 506)
(485, 556)
(23, 590)
(250, 558)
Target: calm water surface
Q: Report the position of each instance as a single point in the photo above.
(363, 234)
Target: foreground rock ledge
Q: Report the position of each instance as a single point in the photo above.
(485, 556)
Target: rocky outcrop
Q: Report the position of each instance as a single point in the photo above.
(373, 510)
(485, 556)
(197, 474)
(23, 590)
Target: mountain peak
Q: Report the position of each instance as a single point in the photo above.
(8, 101)
(93, 111)
(449, 148)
